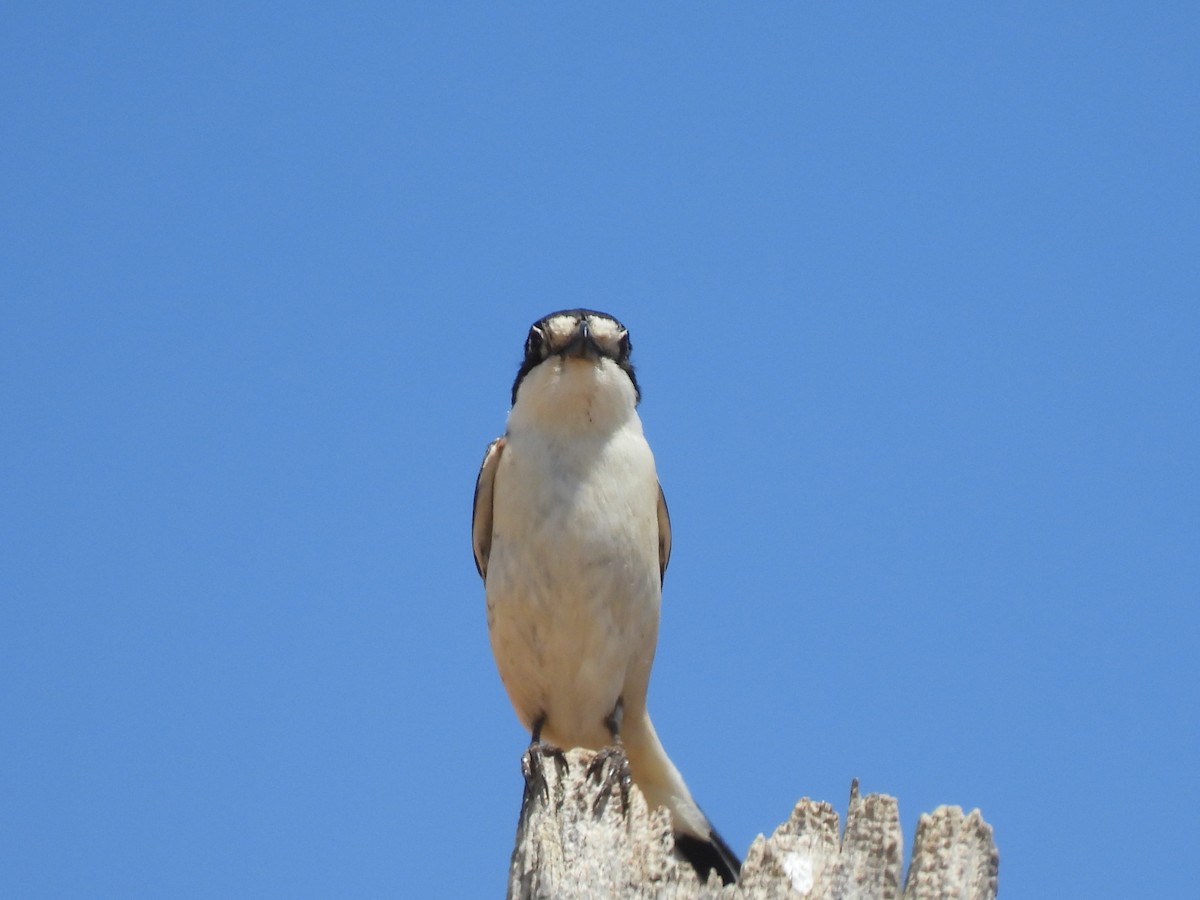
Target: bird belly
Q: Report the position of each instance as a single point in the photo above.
(573, 589)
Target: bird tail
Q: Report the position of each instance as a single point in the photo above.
(654, 773)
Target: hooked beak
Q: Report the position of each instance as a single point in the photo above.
(582, 345)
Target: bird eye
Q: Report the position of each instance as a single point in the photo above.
(533, 343)
(625, 347)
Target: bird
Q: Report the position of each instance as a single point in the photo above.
(571, 536)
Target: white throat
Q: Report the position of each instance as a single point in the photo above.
(574, 396)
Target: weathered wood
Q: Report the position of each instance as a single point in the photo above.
(953, 856)
(585, 831)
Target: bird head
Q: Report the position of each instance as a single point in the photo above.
(580, 338)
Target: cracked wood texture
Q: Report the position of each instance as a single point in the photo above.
(585, 831)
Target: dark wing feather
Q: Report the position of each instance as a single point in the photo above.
(481, 517)
(664, 534)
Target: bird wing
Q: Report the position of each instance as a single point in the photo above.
(664, 534)
(481, 517)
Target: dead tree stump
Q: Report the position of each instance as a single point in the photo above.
(585, 831)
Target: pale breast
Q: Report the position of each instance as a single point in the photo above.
(573, 580)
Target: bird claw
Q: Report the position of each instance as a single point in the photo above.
(534, 768)
(610, 769)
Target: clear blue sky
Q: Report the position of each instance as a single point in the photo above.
(915, 297)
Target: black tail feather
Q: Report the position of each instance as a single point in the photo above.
(705, 856)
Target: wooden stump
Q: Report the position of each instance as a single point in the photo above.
(585, 831)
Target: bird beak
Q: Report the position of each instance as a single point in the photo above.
(582, 345)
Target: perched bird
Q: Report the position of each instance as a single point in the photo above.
(571, 537)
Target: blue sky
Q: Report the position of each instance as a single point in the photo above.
(914, 296)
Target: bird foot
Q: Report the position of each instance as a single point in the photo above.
(533, 767)
(610, 769)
